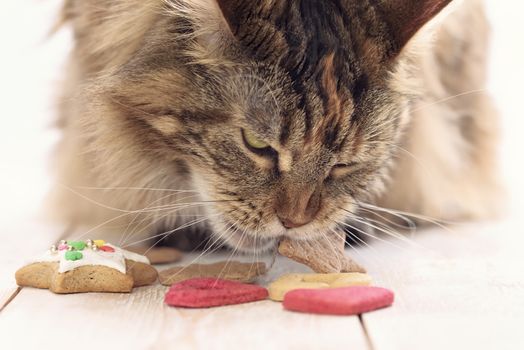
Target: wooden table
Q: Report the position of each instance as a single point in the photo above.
(461, 288)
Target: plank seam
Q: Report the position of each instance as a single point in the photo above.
(369, 341)
(11, 298)
(68, 230)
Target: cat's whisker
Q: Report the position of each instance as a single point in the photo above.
(174, 206)
(135, 189)
(416, 159)
(379, 128)
(214, 246)
(326, 239)
(230, 258)
(380, 227)
(255, 255)
(158, 219)
(154, 219)
(220, 236)
(203, 253)
(97, 203)
(166, 207)
(142, 211)
(449, 98)
(145, 217)
(398, 213)
(167, 233)
(80, 237)
(333, 248)
(412, 227)
(358, 252)
(210, 243)
(373, 236)
(255, 251)
(150, 216)
(360, 242)
(388, 231)
(104, 205)
(150, 224)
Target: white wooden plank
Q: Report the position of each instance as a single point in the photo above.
(140, 320)
(19, 243)
(457, 290)
(465, 290)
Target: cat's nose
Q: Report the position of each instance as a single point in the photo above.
(287, 223)
(296, 207)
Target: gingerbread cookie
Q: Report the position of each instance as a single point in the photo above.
(325, 255)
(232, 271)
(90, 266)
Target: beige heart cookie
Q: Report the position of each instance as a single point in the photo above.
(325, 255)
(232, 270)
(286, 283)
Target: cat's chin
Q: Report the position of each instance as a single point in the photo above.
(247, 243)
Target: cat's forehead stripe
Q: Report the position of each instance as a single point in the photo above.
(315, 40)
(324, 120)
(285, 160)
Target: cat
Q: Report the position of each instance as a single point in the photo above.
(253, 120)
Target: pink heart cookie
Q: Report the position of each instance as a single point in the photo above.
(210, 292)
(338, 301)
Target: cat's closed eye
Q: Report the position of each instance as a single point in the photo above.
(343, 169)
(254, 144)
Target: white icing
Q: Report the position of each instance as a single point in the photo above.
(115, 260)
(135, 257)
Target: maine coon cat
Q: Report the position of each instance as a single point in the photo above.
(253, 120)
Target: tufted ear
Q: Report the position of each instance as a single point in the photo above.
(400, 19)
(406, 17)
(232, 10)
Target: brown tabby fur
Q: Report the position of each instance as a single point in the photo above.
(356, 101)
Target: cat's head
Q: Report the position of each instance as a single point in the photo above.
(283, 113)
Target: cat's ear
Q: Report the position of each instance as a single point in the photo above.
(406, 17)
(230, 9)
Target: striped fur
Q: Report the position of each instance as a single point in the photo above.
(161, 89)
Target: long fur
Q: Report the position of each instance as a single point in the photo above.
(158, 91)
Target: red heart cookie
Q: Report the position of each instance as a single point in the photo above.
(338, 301)
(210, 292)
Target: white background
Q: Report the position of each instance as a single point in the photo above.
(31, 65)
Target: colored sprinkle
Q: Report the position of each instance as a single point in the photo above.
(99, 242)
(63, 247)
(78, 245)
(73, 255)
(107, 248)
